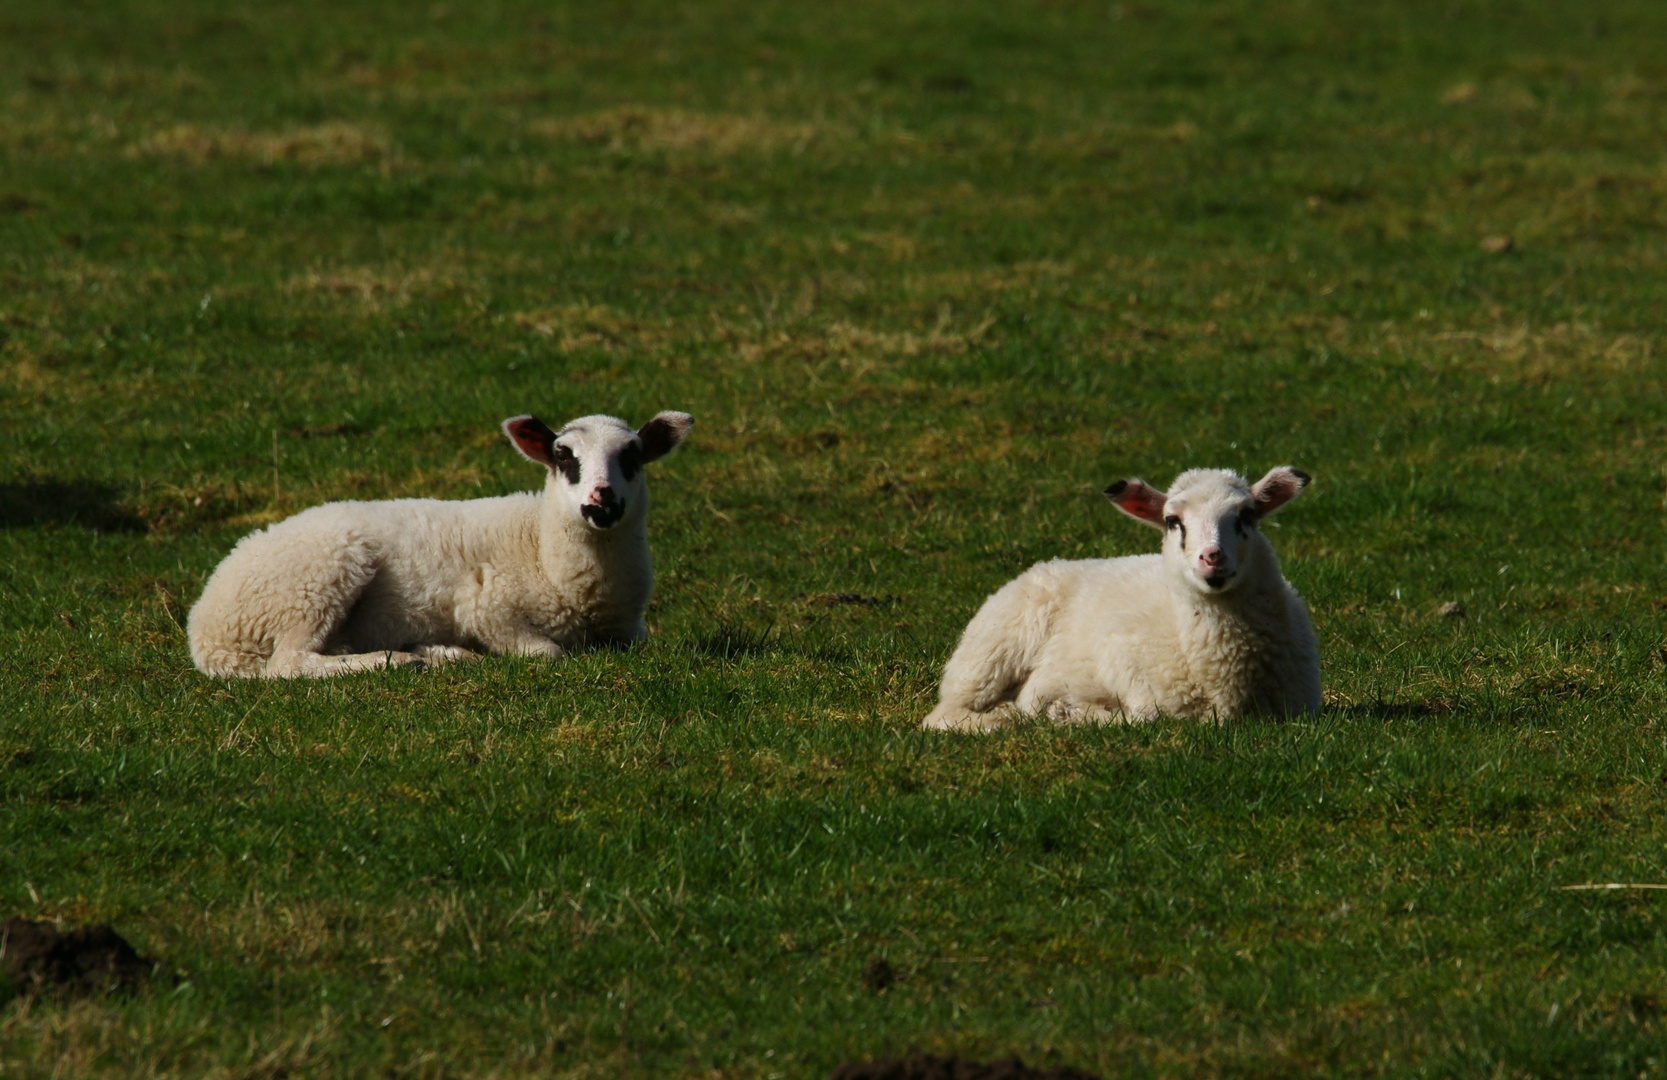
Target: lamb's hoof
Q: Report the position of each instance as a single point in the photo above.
(1070, 713)
(440, 655)
(950, 719)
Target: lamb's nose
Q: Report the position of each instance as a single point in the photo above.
(1211, 557)
(601, 495)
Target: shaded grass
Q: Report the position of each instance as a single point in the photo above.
(929, 278)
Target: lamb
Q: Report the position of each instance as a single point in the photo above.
(351, 586)
(1208, 628)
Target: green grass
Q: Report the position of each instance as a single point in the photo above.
(929, 277)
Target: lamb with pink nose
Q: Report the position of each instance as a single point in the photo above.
(1209, 627)
(354, 586)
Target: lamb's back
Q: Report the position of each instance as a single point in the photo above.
(422, 530)
(415, 546)
(1111, 597)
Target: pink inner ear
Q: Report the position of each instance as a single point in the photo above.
(1277, 488)
(661, 435)
(1274, 495)
(1137, 499)
(532, 437)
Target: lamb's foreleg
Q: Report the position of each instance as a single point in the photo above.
(301, 663)
(532, 644)
(440, 655)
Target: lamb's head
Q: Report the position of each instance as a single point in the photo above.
(596, 462)
(1210, 519)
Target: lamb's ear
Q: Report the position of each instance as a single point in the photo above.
(532, 437)
(661, 435)
(1139, 500)
(1279, 487)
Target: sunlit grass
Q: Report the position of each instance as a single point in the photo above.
(929, 278)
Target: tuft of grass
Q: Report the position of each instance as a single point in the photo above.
(929, 277)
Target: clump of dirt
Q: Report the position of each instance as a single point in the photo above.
(855, 599)
(878, 974)
(928, 1067)
(38, 956)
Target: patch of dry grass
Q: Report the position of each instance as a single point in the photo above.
(1550, 354)
(375, 288)
(332, 144)
(586, 325)
(681, 131)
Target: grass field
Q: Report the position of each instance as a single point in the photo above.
(929, 276)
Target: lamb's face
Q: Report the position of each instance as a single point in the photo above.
(1210, 537)
(597, 470)
(596, 462)
(1210, 519)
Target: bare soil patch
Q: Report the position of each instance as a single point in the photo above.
(930, 1067)
(37, 955)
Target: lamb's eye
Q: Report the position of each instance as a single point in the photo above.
(630, 461)
(1172, 523)
(565, 463)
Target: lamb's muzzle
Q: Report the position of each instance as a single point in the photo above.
(602, 508)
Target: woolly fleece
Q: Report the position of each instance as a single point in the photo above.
(1144, 636)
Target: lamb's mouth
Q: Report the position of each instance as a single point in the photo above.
(605, 516)
(1218, 581)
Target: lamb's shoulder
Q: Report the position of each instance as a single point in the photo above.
(1296, 610)
(1255, 653)
(446, 528)
(1064, 580)
(1118, 595)
(1291, 677)
(1122, 625)
(439, 554)
(558, 585)
(486, 551)
(602, 591)
(1276, 618)
(1085, 601)
(1100, 627)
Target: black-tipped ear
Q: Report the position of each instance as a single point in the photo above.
(1139, 500)
(1279, 487)
(661, 435)
(532, 437)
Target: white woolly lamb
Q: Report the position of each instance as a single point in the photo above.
(350, 586)
(1209, 627)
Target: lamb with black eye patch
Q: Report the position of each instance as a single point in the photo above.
(350, 586)
(1210, 627)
